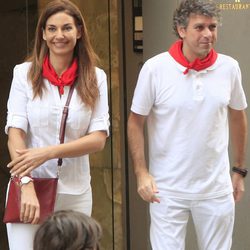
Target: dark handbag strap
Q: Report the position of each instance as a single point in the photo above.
(63, 125)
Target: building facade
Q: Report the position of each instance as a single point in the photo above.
(115, 28)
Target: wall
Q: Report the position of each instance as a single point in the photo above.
(234, 40)
(136, 209)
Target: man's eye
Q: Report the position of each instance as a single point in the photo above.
(199, 27)
(212, 27)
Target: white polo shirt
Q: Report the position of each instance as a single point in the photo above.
(41, 118)
(188, 124)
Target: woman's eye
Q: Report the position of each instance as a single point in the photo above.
(68, 28)
(51, 29)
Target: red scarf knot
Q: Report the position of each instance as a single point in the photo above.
(67, 78)
(176, 52)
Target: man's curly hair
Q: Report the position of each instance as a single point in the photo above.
(198, 7)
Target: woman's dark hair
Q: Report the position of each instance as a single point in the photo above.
(68, 230)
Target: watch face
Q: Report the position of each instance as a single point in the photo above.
(25, 180)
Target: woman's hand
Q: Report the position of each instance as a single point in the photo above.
(27, 160)
(30, 208)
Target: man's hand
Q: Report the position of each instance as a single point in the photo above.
(146, 188)
(238, 186)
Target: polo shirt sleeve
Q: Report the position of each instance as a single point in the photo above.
(17, 102)
(237, 98)
(100, 116)
(144, 94)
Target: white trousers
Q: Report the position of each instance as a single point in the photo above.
(213, 220)
(20, 236)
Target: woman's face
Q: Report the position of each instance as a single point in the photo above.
(61, 34)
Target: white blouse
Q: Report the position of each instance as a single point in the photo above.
(40, 118)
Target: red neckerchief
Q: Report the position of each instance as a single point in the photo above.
(67, 78)
(176, 52)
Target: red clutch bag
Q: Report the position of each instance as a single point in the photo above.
(46, 193)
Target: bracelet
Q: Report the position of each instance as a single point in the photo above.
(241, 171)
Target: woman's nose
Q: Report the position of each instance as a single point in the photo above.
(59, 33)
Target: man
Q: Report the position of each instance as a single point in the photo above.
(189, 97)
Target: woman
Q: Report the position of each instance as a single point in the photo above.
(68, 230)
(62, 56)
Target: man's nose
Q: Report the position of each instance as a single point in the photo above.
(207, 32)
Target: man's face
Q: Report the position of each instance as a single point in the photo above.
(198, 37)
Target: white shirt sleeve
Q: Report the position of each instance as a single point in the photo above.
(145, 91)
(100, 116)
(238, 98)
(17, 102)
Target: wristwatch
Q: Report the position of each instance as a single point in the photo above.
(25, 180)
(242, 171)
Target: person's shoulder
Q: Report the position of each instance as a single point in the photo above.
(157, 61)
(227, 60)
(99, 71)
(23, 67)
(100, 75)
(158, 58)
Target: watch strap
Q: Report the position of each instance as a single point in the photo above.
(242, 171)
